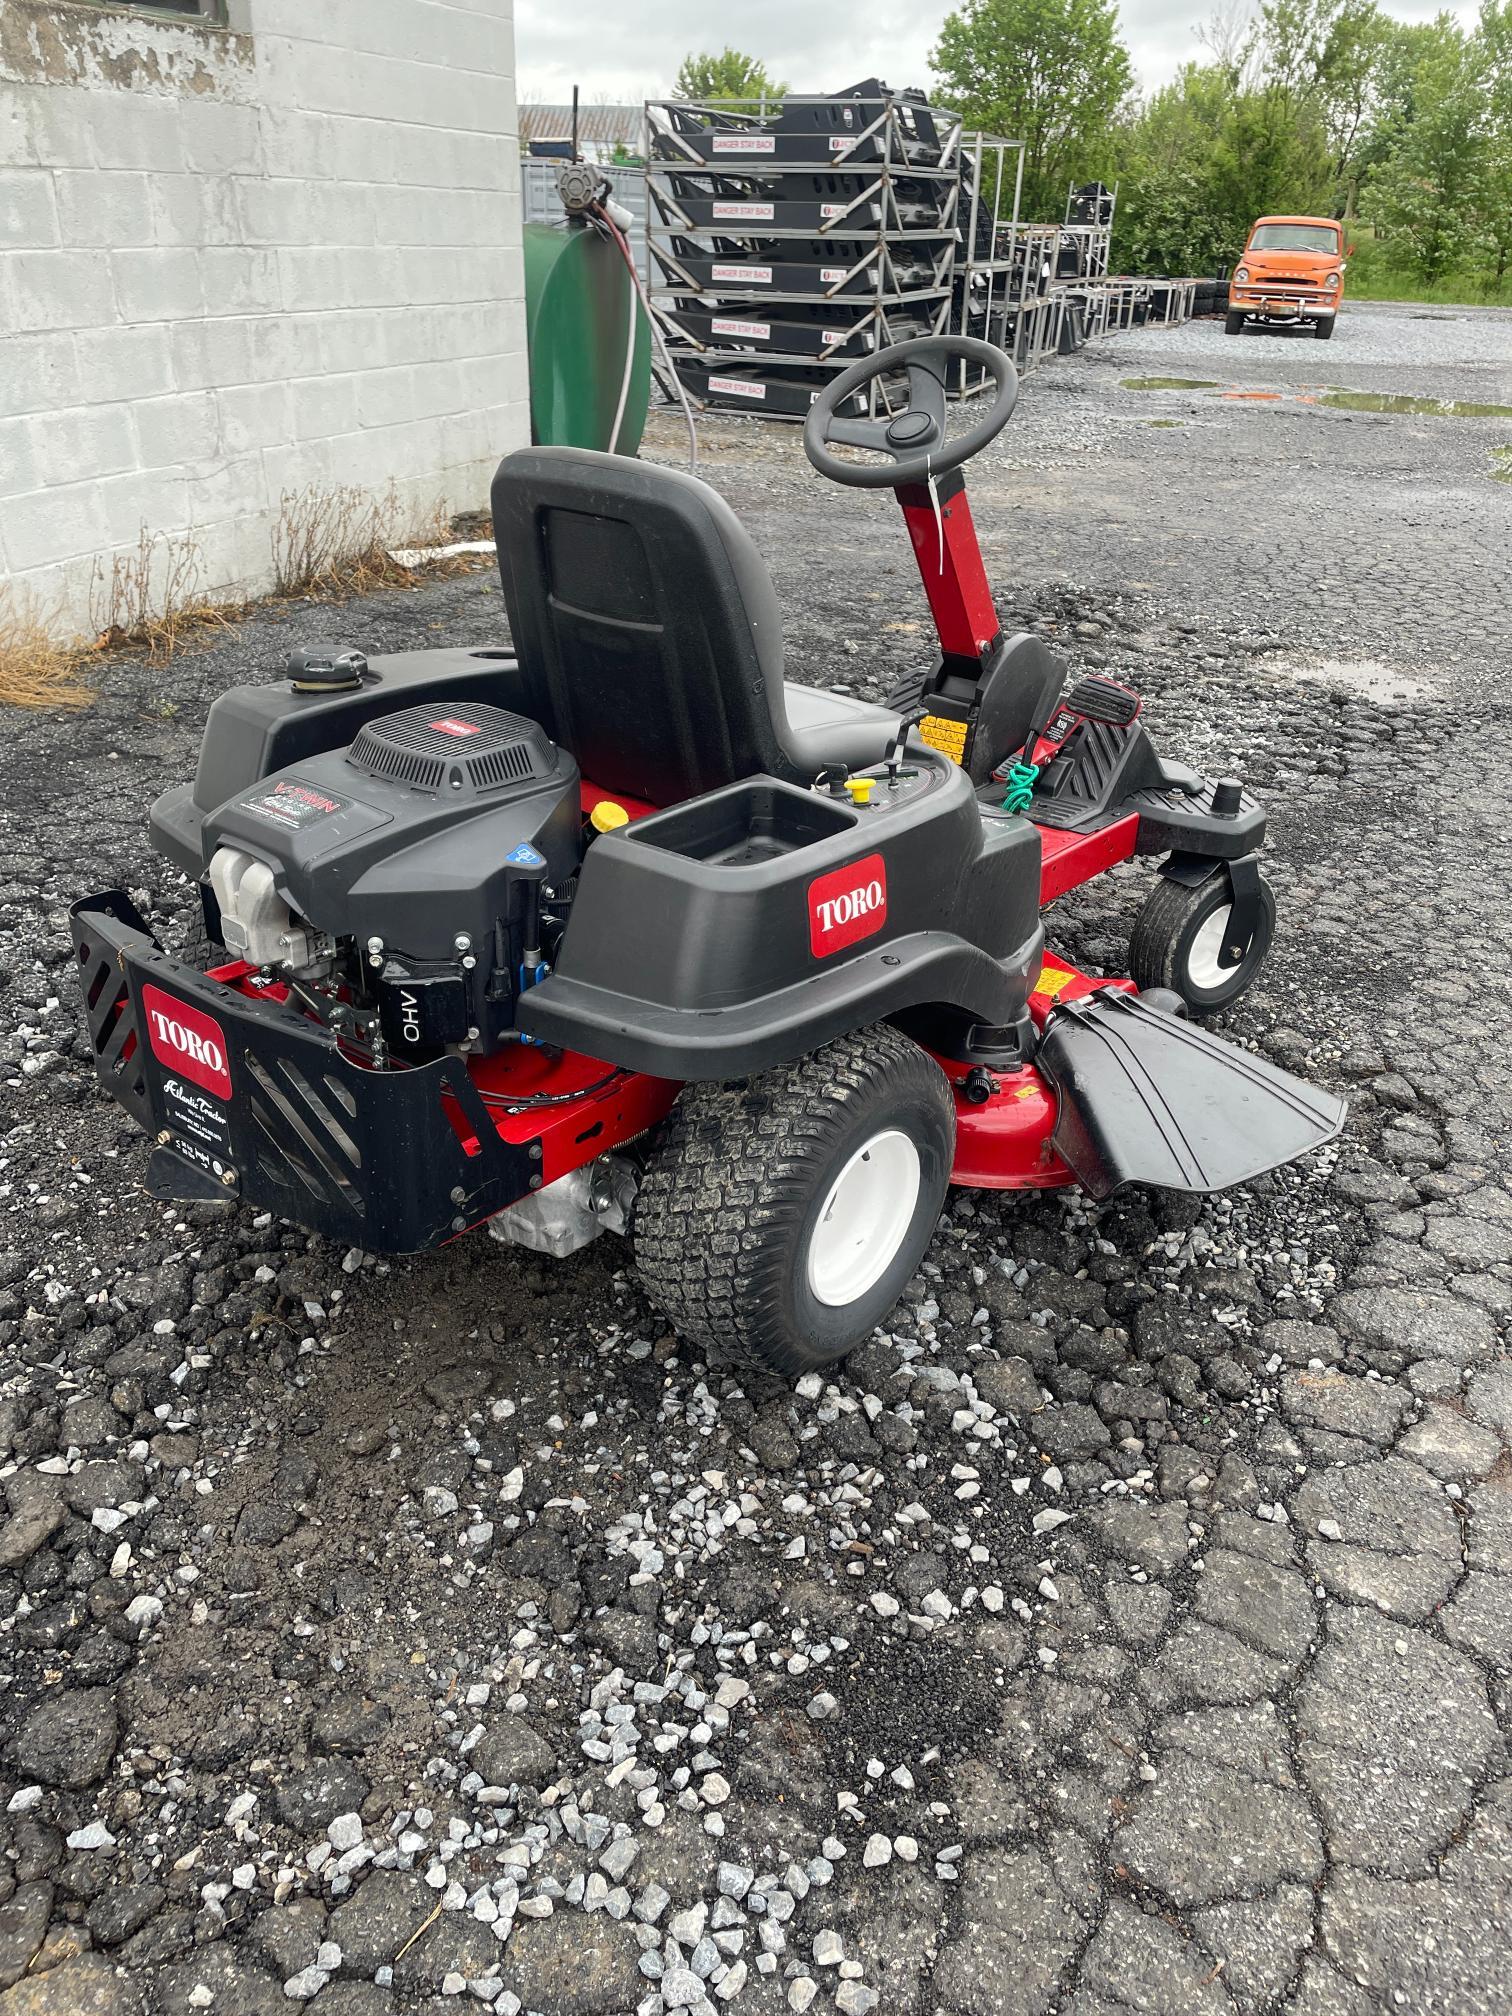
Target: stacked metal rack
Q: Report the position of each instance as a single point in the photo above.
(786, 240)
(1083, 254)
(1003, 288)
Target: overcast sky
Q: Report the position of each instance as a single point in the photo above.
(632, 50)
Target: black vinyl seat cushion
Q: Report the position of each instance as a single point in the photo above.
(648, 632)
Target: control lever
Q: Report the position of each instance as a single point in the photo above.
(1022, 774)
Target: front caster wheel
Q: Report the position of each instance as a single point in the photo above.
(780, 1217)
(1178, 942)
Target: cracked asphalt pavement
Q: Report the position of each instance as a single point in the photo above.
(1126, 1631)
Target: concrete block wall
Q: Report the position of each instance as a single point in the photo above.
(239, 260)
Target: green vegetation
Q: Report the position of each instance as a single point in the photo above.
(1376, 275)
(1169, 384)
(1051, 73)
(730, 74)
(1501, 465)
(1313, 107)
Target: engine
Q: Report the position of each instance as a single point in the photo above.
(408, 887)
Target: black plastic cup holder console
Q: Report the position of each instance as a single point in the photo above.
(745, 824)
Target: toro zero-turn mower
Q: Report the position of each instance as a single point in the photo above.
(619, 930)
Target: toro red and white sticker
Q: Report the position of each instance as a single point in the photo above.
(828, 274)
(450, 725)
(847, 905)
(189, 1042)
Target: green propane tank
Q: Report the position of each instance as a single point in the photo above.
(579, 303)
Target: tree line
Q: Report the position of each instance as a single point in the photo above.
(1318, 107)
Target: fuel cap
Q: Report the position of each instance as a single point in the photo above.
(328, 669)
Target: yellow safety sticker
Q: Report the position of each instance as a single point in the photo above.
(1052, 979)
(949, 737)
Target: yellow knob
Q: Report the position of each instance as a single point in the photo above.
(860, 789)
(606, 815)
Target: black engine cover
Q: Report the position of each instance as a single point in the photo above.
(425, 831)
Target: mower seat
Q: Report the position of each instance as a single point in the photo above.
(844, 728)
(648, 632)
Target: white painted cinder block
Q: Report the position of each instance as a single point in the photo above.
(238, 262)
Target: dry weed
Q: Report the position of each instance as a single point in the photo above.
(339, 541)
(36, 669)
(153, 596)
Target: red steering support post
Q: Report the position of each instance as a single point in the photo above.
(949, 559)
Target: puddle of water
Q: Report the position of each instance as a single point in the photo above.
(1169, 384)
(1399, 402)
(1366, 676)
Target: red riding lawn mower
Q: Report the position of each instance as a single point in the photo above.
(618, 930)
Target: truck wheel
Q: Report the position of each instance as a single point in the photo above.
(1179, 935)
(1323, 330)
(780, 1217)
(1233, 322)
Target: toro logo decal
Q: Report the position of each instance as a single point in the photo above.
(847, 905)
(450, 725)
(188, 1042)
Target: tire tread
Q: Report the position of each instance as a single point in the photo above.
(729, 1179)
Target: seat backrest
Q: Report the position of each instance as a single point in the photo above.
(645, 622)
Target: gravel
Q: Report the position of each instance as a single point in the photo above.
(382, 1638)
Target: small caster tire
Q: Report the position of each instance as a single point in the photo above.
(1178, 943)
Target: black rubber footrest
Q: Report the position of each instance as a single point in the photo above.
(1103, 700)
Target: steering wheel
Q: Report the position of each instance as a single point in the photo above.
(914, 438)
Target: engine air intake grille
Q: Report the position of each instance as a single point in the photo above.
(467, 747)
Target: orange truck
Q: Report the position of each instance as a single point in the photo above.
(1292, 271)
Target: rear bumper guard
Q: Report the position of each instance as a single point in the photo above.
(274, 1112)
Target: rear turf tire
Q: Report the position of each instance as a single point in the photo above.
(1176, 939)
(1232, 323)
(200, 949)
(781, 1216)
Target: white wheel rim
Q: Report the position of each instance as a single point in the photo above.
(1203, 970)
(864, 1219)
